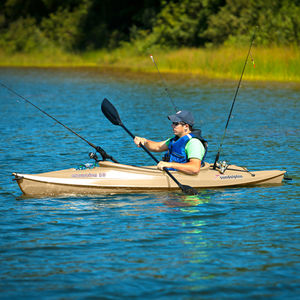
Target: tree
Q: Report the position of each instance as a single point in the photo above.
(92, 24)
(181, 23)
(278, 22)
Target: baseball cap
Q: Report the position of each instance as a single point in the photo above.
(182, 116)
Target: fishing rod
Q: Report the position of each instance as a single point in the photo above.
(165, 84)
(235, 95)
(97, 148)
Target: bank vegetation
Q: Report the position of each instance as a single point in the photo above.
(203, 37)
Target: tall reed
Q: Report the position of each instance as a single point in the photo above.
(274, 63)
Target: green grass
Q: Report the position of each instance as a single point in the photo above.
(274, 64)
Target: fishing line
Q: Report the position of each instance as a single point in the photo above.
(165, 84)
(97, 148)
(235, 95)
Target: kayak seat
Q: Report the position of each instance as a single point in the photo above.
(197, 133)
(205, 144)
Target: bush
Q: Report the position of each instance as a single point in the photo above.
(64, 27)
(181, 23)
(23, 36)
(278, 22)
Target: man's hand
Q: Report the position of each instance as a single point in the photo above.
(192, 167)
(139, 140)
(163, 164)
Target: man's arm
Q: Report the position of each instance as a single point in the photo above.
(151, 145)
(192, 167)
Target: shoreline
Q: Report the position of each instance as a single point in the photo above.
(170, 77)
(277, 64)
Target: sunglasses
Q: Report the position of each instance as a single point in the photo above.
(178, 123)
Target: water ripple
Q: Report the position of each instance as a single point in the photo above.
(239, 243)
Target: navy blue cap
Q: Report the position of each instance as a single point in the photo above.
(182, 116)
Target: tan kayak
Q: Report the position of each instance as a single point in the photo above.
(111, 177)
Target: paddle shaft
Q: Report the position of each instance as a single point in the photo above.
(142, 146)
(154, 158)
(97, 148)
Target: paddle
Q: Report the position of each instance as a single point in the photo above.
(112, 115)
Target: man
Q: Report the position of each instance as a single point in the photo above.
(185, 151)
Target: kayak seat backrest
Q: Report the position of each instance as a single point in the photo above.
(205, 144)
(197, 133)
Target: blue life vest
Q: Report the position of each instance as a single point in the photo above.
(176, 147)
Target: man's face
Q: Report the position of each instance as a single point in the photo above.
(180, 128)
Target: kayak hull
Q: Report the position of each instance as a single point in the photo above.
(111, 177)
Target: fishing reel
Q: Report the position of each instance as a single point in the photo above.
(94, 156)
(222, 165)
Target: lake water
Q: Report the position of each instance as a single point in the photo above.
(238, 243)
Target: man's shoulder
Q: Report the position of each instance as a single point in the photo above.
(195, 142)
(195, 149)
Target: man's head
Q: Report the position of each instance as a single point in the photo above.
(182, 122)
(183, 116)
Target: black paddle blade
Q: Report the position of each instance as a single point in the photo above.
(110, 112)
(188, 190)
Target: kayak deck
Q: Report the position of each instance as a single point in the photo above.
(111, 177)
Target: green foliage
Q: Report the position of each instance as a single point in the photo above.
(278, 22)
(283, 27)
(181, 23)
(64, 26)
(23, 36)
(73, 25)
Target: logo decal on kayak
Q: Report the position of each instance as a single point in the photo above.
(88, 175)
(229, 176)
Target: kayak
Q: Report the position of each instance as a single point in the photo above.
(109, 177)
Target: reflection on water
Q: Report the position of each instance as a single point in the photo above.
(182, 200)
(220, 244)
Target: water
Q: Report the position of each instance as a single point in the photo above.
(238, 243)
